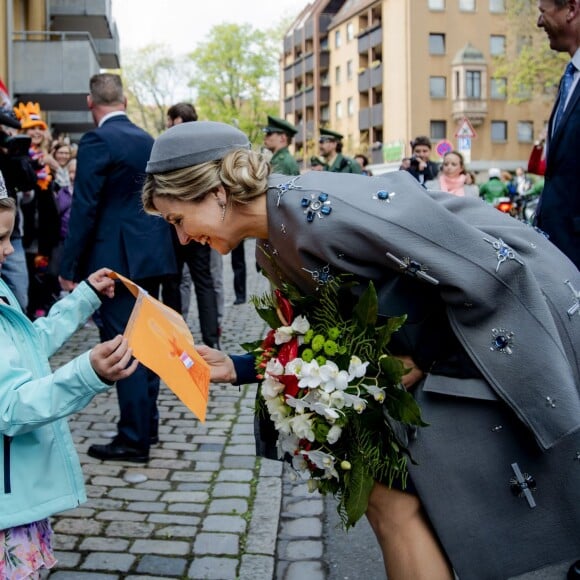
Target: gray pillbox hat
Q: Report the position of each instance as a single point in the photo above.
(193, 143)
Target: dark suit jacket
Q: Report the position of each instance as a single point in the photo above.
(108, 226)
(559, 209)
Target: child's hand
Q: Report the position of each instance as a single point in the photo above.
(101, 282)
(111, 360)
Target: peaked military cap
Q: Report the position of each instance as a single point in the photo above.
(326, 134)
(189, 144)
(277, 125)
(315, 160)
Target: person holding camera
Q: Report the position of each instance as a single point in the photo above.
(20, 178)
(419, 165)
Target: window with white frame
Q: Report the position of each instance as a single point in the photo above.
(337, 75)
(467, 5)
(525, 131)
(338, 109)
(350, 106)
(349, 31)
(438, 130)
(337, 42)
(497, 6)
(349, 70)
(498, 89)
(499, 131)
(436, 4)
(496, 44)
(436, 43)
(437, 87)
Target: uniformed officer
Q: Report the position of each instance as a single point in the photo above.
(331, 150)
(277, 136)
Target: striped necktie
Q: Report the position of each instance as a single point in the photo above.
(565, 86)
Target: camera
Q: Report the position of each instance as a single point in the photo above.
(414, 161)
(15, 145)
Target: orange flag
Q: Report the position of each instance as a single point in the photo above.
(161, 340)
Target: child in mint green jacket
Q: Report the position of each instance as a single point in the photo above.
(40, 473)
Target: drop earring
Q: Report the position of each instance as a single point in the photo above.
(223, 206)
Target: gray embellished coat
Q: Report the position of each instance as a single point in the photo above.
(494, 320)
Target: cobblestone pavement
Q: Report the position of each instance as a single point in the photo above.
(204, 506)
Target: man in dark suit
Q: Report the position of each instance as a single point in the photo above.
(558, 213)
(108, 227)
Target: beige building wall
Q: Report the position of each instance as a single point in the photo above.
(408, 108)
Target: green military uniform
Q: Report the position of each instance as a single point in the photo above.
(282, 161)
(341, 163)
(344, 164)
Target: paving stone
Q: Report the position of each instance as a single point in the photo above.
(78, 527)
(146, 506)
(216, 543)
(239, 461)
(304, 550)
(174, 519)
(255, 567)
(64, 542)
(306, 507)
(121, 516)
(303, 528)
(129, 529)
(223, 523)
(213, 569)
(99, 544)
(237, 475)
(231, 490)
(66, 559)
(133, 494)
(185, 496)
(186, 508)
(150, 564)
(263, 528)
(192, 476)
(228, 506)
(76, 575)
(160, 547)
(175, 532)
(108, 561)
(302, 570)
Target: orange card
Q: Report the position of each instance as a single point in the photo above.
(162, 341)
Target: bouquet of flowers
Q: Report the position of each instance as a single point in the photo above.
(333, 391)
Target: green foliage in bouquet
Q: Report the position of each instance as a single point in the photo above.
(333, 391)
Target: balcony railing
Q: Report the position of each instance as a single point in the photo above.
(54, 68)
(370, 117)
(370, 38)
(474, 109)
(370, 78)
(93, 16)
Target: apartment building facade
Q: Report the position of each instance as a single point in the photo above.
(384, 71)
(49, 49)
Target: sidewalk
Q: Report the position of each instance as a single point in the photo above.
(203, 507)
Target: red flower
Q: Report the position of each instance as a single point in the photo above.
(284, 309)
(290, 382)
(269, 341)
(288, 351)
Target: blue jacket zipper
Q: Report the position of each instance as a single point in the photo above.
(7, 485)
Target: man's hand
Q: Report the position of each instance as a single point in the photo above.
(67, 285)
(414, 375)
(101, 281)
(111, 360)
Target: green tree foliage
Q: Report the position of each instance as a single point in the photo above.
(154, 78)
(235, 76)
(532, 68)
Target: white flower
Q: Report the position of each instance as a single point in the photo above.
(323, 461)
(332, 377)
(274, 367)
(300, 405)
(337, 399)
(288, 444)
(300, 325)
(376, 392)
(294, 367)
(310, 375)
(357, 368)
(271, 388)
(299, 463)
(277, 408)
(354, 401)
(302, 426)
(334, 434)
(283, 334)
(326, 411)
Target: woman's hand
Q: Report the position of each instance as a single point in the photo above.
(101, 282)
(414, 375)
(111, 360)
(221, 365)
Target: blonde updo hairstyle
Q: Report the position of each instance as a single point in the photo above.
(242, 172)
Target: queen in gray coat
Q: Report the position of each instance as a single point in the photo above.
(493, 332)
